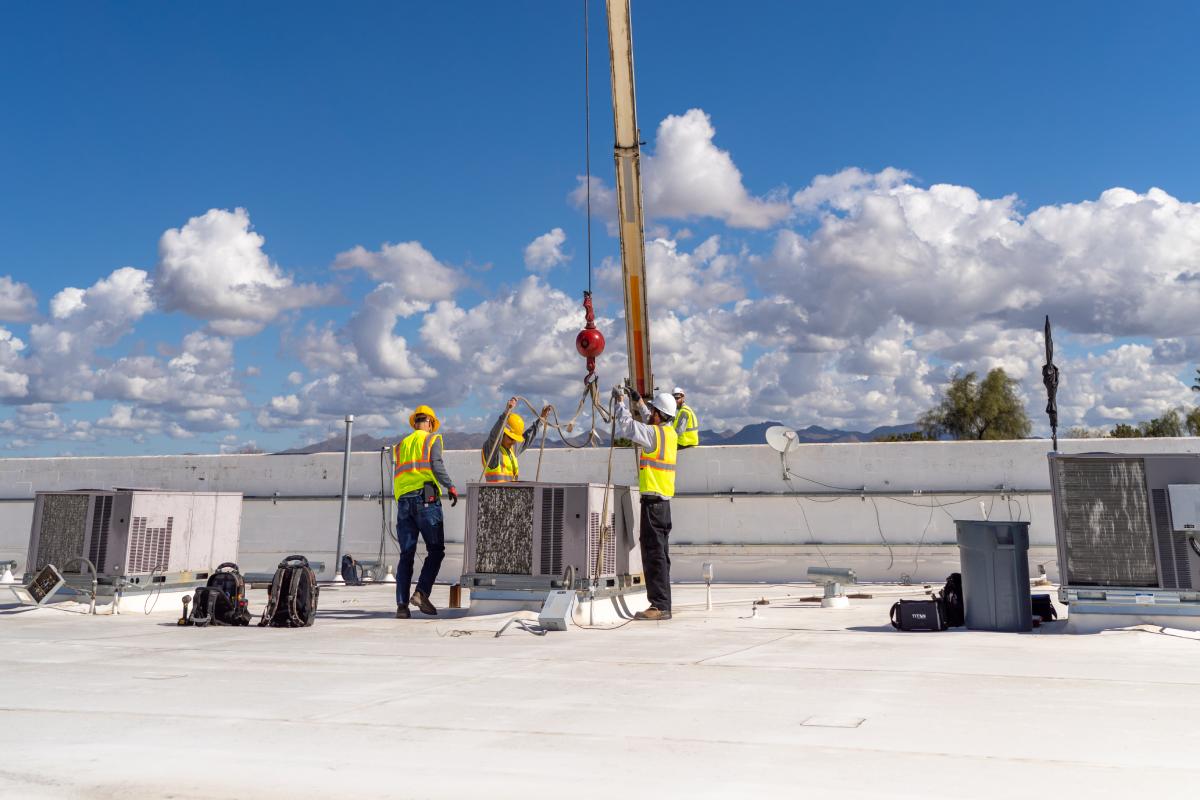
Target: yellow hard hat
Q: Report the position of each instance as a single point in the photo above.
(515, 427)
(427, 411)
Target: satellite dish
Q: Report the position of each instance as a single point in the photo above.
(781, 439)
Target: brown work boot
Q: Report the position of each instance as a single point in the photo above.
(402, 612)
(652, 614)
(419, 600)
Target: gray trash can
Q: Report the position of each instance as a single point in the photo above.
(995, 574)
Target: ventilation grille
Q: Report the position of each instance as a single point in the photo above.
(63, 527)
(504, 530)
(608, 565)
(149, 547)
(101, 518)
(552, 531)
(1104, 521)
(1172, 545)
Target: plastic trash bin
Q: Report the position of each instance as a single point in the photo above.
(995, 574)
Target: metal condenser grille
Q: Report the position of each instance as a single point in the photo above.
(1104, 516)
(63, 526)
(504, 530)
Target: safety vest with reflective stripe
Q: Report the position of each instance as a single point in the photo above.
(656, 468)
(505, 470)
(413, 462)
(686, 427)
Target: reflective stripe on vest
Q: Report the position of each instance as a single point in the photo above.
(413, 462)
(656, 468)
(505, 471)
(687, 427)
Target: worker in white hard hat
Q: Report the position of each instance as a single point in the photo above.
(656, 480)
(508, 439)
(687, 427)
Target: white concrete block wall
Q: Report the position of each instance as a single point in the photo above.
(292, 501)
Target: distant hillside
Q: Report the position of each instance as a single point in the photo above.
(750, 434)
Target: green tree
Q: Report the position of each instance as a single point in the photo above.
(1079, 433)
(1196, 381)
(1172, 423)
(974, 409)
(911, 436)
(1169, 424)
(1192, 421)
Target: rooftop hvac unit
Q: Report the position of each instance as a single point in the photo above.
(1127, 528)
(135, 537)
(536, 537)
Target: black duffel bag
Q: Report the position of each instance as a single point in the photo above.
(919, 615)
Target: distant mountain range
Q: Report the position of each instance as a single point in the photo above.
(750, 434)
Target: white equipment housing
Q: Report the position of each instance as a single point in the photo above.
(523, 540)
(137, 538)
(1127, 533)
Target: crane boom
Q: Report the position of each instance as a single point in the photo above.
(627, 153)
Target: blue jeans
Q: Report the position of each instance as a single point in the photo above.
(414, 516)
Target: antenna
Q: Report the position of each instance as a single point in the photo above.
(781, 439)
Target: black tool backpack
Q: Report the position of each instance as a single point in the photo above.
(292, 596)
(952, 601)
(222, 601)
(352, 571)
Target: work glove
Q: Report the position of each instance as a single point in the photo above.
(634, 396)
(617, 392)
(453, 496)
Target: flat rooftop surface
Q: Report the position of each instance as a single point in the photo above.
(798, 700)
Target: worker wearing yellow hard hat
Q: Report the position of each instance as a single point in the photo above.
(508, 438)
(419, 477)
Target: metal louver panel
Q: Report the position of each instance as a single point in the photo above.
(1104, 518)
(608, 564)
(63, 527)
(504, 530)
(1172, 545)
(552, 531)
(149, 547)
(101, 521)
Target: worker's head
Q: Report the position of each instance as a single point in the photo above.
(423, 419)
(662, 408)
(514, 430)
(678, 395)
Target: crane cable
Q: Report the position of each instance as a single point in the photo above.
(587, 136)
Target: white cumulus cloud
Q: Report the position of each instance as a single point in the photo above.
(545, 252)
(214, 268)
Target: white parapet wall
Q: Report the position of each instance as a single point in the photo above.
(886, 509)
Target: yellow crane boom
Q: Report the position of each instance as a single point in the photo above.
(627, 154)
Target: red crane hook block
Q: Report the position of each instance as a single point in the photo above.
(590, 341)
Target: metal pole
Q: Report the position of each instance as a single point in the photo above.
(337, 557)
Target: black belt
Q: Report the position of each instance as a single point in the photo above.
(654, 498)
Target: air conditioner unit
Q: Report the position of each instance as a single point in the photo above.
(135, 537)
(1127, 528)
(525, 539)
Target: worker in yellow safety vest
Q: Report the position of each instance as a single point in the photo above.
(418, 479)
(687, 427)
(656, 480)
(507, 440)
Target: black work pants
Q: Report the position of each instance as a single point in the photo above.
(656, 556)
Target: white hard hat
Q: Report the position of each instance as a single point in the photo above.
(677, 391)
(665, 404)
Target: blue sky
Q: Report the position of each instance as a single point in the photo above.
(460, 126)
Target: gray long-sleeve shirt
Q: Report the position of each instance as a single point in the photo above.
(639, 433)
(498, 430)
(439, 467)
